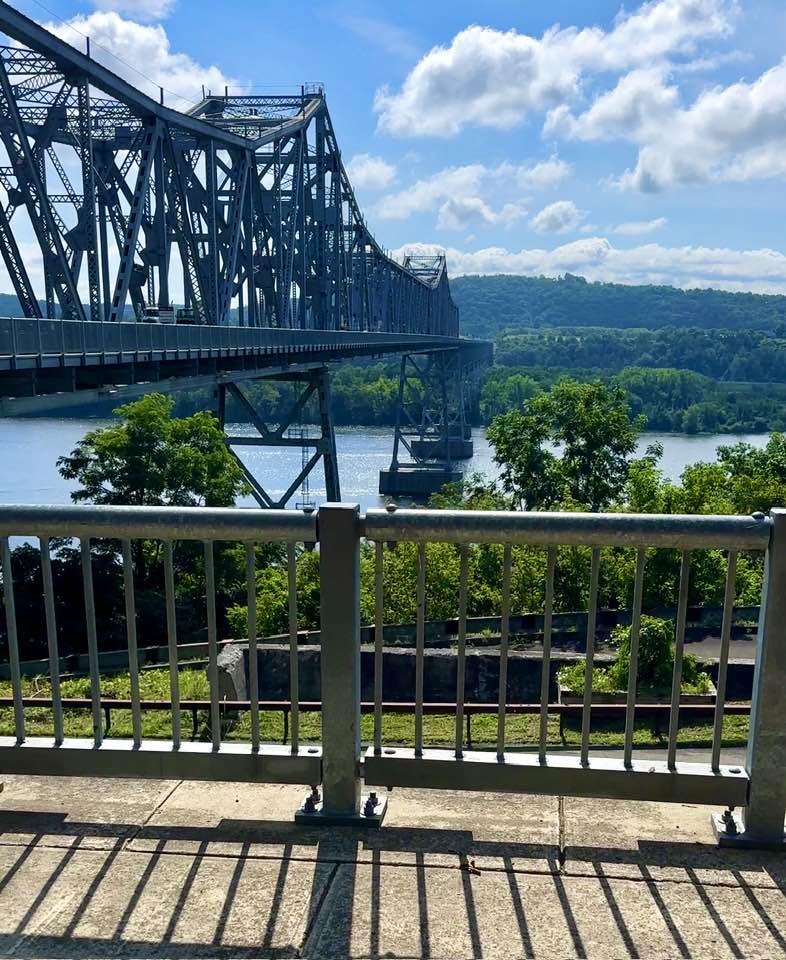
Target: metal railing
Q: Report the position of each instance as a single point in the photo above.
(27, 342)
(759, 785)
(217, 759)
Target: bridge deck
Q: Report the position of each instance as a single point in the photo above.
(46, 362)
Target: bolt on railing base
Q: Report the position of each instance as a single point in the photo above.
(730, 832)
(371, 814)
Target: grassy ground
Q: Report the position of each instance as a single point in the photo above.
(439, 729)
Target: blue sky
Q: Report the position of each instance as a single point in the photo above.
(636, 144)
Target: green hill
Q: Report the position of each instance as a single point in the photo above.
(490, 305)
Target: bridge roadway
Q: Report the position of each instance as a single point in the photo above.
(46, 364)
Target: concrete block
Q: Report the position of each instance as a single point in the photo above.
(232, 683)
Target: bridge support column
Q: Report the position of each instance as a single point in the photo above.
(288, 432)
(430, 426)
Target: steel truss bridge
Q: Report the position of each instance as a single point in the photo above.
(241, 210)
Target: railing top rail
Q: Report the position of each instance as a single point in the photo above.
(157, 523)
(679, 531)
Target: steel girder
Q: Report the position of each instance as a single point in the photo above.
(242, 202)
(436, 393)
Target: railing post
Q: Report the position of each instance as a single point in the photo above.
(339, 576)
(766, 758)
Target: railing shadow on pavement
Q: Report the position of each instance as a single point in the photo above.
(363, 887)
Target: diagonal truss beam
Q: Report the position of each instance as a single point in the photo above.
(20, 152)
(134, 223)
(248, 193)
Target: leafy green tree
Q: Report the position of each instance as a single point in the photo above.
(592, 425)
(152, 458)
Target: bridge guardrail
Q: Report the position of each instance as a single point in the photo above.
(339, 529)
(32, 341)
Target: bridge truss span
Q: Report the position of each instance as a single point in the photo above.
(157, 248)
(240, 208)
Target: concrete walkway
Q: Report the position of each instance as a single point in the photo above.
(169, 869)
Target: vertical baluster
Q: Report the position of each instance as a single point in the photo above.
(253, 661)
(633, 666)
(92, 640)
(503, 649)
(592, 613)
(379, 629)
(13, 640)
(212, 645)
(679, 647)
(462, 648)
(294, 680)
(171, 635)
(545, 675)
(51, 639)
(133, 658)
(723, 659)
(420, 633)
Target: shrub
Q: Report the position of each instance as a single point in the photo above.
(655, 667)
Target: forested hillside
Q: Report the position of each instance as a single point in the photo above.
(731, 355)
(490, 305)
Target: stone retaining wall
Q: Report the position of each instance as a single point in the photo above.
(439, 681)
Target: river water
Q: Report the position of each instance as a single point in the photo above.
(29, 449)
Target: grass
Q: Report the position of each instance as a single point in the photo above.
(438, 729)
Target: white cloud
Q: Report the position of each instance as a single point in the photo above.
(729, 133)
(145, 10)
(762, 271)
(495, 79)
(559, 217)
(370, 172)
(639, 103)
(141, 47)
(541, 176)
(428, 193)
(473, 193)
(459, 213)
(639, 228)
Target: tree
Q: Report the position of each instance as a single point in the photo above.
(154, 459)
(151, 458)
(590, 423)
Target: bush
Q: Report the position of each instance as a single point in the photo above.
(655, 667)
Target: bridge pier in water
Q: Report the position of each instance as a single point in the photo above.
(432, 430)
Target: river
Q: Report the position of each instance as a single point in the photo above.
(30, 448)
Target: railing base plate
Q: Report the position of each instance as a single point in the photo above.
(738, 837)
(372, 812)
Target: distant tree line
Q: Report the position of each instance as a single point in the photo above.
(489, 305)
(728, 355)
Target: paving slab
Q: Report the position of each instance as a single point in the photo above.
(659, 841)
(375, 910)
(56, 810)
(74, 902)
(441, 826)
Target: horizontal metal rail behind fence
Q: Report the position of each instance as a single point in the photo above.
(339, 529)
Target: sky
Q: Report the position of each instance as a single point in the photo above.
(643, 143)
